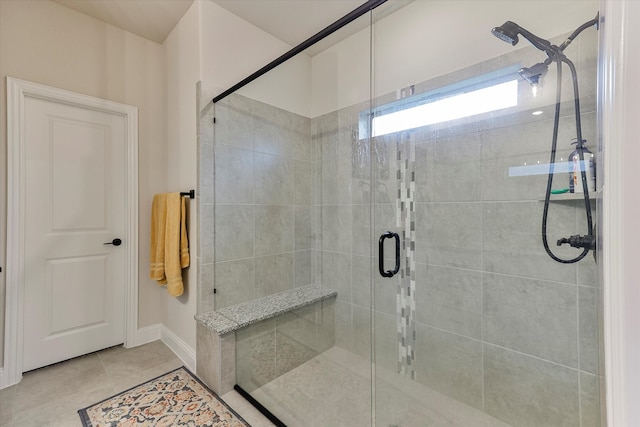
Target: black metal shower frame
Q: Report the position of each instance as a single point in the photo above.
(348, 18)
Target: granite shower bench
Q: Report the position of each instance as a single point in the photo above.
(254, 342)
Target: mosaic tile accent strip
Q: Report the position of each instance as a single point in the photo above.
(405, 221)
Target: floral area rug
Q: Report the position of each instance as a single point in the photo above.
(177, 398)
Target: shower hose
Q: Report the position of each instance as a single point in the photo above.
(587, 242)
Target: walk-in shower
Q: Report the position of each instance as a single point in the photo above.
(408, 172)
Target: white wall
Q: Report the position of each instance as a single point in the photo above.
(232, 49)
(448, 42)
(182, 50)
(44, 42)
(287, 87)
(621, 210)
(631, 215)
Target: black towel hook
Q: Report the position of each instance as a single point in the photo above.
(190, 193)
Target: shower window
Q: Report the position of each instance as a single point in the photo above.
(467, 98)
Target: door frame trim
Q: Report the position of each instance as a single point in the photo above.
(17, 91)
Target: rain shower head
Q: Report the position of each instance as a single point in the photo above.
(534, 73)
(507, 32)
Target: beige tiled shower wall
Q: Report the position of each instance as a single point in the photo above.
(259, 228)
(499, 325)
(205, 197)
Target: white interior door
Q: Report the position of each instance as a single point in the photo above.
(74, 283)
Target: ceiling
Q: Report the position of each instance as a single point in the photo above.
(151, 19)
(291, 21)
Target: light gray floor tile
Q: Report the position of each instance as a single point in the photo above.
(52, 396)
(120, 363)
(58, 382)
(7, 398)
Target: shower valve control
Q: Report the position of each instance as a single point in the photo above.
(578, 241)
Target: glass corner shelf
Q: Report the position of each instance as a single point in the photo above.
(567, 197)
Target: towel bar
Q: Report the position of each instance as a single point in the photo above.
(190, 193)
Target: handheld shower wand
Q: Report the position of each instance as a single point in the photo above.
(508, 32)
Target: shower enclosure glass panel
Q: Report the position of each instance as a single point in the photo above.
(291, 211)
(411, 125)
(480, 326)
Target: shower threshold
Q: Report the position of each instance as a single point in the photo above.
(264, 411)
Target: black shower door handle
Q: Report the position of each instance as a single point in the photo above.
(388, 273)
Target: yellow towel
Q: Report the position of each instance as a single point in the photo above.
(158, 221)
(169, 242)
(184, 240)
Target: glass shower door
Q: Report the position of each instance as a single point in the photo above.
(479, 326)
(403, 164)
(291, 213)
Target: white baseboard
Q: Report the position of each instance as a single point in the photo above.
(148, 334)
(179, 347)
(170, 339)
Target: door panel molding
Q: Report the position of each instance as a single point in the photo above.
(17, 92)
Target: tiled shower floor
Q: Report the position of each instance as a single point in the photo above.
(332, 390)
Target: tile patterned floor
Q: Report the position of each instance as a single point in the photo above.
(51, 396)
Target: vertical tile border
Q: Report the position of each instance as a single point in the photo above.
(406, 286)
